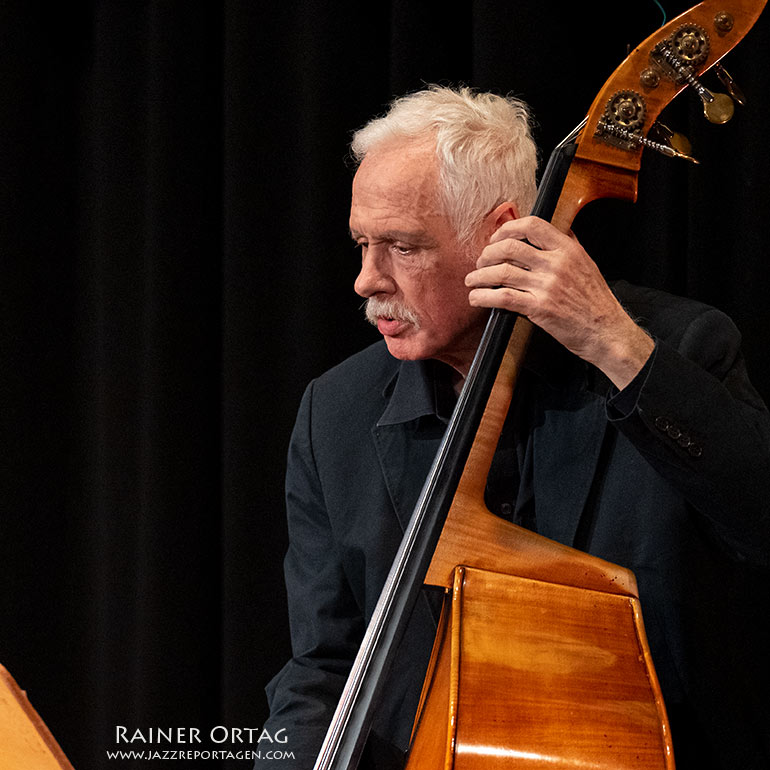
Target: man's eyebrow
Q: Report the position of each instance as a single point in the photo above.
(396, 235)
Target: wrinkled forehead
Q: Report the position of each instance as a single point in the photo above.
(402, 175)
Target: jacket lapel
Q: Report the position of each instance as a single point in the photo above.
(405, 453)
(406, 439)
(408, 434)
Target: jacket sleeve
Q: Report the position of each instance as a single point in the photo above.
(699, 422)
(325, 621)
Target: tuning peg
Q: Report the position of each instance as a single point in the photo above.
(673, 139)
(730, 84)
(670, 143)
(718, 108)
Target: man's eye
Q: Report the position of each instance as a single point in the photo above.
(403, 250)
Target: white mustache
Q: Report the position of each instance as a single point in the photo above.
(390, 308)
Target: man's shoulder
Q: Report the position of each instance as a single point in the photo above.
(666, 315)
(356, 384)
(367, 368)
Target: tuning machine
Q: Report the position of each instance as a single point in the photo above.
(679, 55)
(622, 125)
(679, 143)
(717, 107)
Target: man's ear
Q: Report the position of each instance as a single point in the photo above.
(505, 212)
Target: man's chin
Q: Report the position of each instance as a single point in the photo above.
(404, 350)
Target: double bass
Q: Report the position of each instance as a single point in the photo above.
(541, 658)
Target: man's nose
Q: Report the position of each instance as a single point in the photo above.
(373, 278)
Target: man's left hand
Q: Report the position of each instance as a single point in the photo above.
(532, 268)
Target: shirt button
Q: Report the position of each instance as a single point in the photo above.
(661, 423)
(695, 450)
(674, 432)
(684, 441)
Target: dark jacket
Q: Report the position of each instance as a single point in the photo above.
(670, 478)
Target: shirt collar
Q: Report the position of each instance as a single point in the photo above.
(418, 389)
(424, 388)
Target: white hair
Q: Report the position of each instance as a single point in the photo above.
(483, 142)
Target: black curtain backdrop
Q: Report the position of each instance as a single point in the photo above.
(176, 267)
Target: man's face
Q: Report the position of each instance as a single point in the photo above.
(412, 268)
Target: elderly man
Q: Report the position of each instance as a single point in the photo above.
(634, 435)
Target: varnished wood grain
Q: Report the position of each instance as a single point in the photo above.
(532, 674)
(25, 741)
